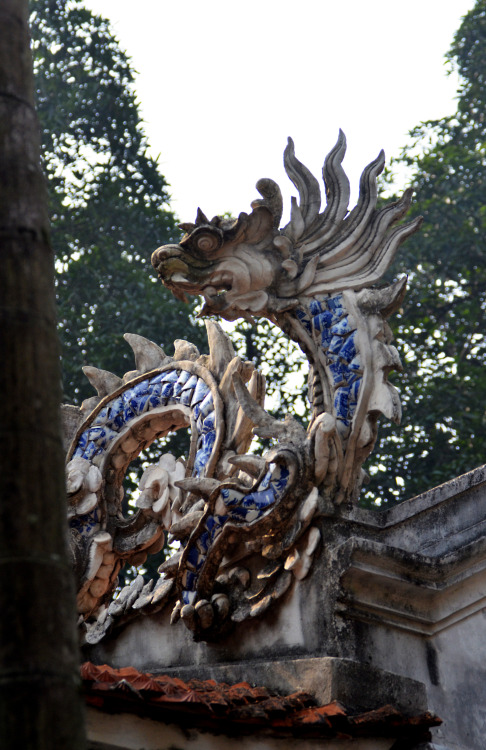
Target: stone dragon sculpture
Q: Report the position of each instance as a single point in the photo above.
(245, 522)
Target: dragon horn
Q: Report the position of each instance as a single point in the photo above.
(201, 218)
(386, 300)
(148, 356)
(103, 381)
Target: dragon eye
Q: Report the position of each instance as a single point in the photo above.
(207, 241)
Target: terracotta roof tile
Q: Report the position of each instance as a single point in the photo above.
(321, 715)
(241, 708)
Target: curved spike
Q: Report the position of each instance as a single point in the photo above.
(185, 350)
(305, 182)
(201, 218)
(376, 248)
(186, 525)
(240, 434)
(302, 282)
(148, 356)
(252, 465)
(385, 301)
(336, 182)
(221, 351)
(187, 227)
(89, 404)
(103, 381)
(204, 487)
(368, 190)
(272, 199)
(341, 238)
(371, 256)
(265, 424)
(283, 245)
(393, 242)
(257, 387)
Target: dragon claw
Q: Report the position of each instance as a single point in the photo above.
(204, 615)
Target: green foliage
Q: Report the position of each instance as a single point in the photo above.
(108, 199)
(441, 329)
(109, 206)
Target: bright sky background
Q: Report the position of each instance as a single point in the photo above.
(222, 84)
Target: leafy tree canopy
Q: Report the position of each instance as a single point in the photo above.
(441, 329)
(109, 202)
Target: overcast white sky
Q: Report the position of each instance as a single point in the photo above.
(222, 84)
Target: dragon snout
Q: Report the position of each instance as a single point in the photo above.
(170, 264)
(171, 269)
(165, 255)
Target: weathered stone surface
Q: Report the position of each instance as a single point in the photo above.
(384, 596)
(327, 679)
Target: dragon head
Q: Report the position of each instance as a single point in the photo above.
(249, 267)
(236, 265)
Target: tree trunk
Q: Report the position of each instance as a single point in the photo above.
(40, 704)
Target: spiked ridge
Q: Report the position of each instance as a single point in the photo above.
(209, 393)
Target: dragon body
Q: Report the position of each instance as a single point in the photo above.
(314, 279)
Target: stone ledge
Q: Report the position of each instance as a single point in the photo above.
(414, 506)
(357, 686)
(412, 592)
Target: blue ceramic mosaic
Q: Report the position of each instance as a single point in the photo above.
(173, 386)
(329, 318)
(86, 524)
(242, 508)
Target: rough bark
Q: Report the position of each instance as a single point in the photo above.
(40, 705)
